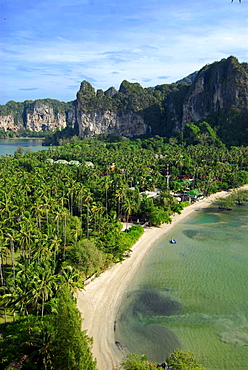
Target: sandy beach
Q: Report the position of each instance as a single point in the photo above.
(100, 300)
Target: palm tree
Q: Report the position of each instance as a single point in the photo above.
(10, 238)
(5, 206)
(128, 206)
(46, 208)
(71, 278)
(80, 194)
(1, 258)
(100, 212)
(179, 162)
(57, 215)
(19, 296)
(64, 215)
(87, 200)
(54, 246)
(42, 251)
(38, 212)
(46, 285)
(94, 210)
(106, 183)
(120, 195)
(27, 229)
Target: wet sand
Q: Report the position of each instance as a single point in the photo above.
(100, 300)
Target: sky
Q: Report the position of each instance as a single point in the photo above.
(48, 47)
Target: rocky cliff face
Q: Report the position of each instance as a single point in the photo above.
(40, 115)
(219, 86)
(103, 112)
(109, 122)
(165, 109)
(7, 123)
(217, 93)
(42, 118)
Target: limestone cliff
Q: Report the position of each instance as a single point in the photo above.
(220, 86)
(7, 123)
(36, 116)
(113, 112)
(42, 118)
(109, 122)
(218, 93)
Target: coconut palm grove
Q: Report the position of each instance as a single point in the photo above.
(63, 218)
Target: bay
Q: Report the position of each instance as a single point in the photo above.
(9, 146)
(192, 295)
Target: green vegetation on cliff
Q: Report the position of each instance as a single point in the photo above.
(217, 94)
(20, 110)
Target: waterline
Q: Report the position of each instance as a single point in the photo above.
(9, 146)
(203, 276)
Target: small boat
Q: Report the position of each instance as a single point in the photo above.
(173, 241)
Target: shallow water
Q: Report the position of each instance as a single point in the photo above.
(9, 146)
(193, 295)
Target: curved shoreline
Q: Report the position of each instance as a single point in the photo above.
(100, 300)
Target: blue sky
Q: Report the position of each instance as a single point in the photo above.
(49, 47)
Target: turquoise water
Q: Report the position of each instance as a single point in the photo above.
(193, 295)
(9, 146)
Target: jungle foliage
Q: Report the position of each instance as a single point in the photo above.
(60, 213)
(177, 360)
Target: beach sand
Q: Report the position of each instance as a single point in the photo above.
(100, 300)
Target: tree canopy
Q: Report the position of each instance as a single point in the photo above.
(62, 216)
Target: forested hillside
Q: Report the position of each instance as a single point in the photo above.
(217, 94)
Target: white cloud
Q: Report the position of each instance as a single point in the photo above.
(109, 42)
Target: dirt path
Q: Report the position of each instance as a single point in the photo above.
(100, 300)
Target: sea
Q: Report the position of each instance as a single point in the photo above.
(9, 146)
(192, 295)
